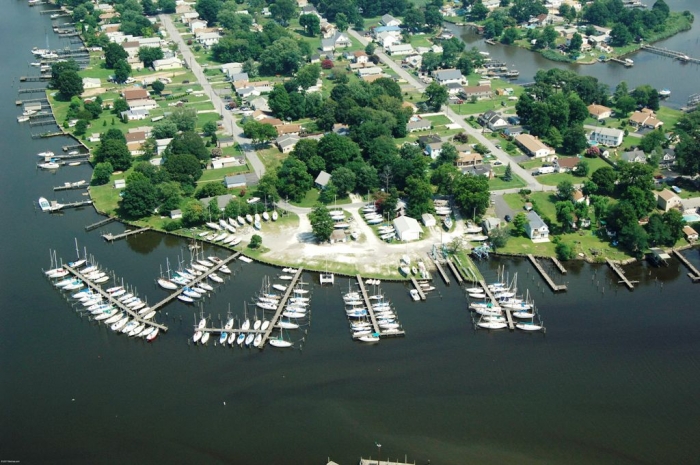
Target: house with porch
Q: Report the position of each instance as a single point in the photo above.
(537, 230)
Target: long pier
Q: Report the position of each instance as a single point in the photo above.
(63, 206)
(670, 53)
(194, 282)
(627, 64)
(694, 274)
(441, 270)
(538, 267)
(620, 274)
(92, 226)
(280, 307)
(71, 186)
(368, 304)
(114, 301)
(494, 301)
(32, 90)
(109, 237)
(421, 294)
(452, 267)
(558, 264)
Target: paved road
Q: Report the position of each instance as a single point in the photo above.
(476, 134)
(229, 122)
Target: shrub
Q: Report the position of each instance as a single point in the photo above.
(171, 225)
(255, 241)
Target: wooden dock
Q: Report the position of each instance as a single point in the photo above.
(621, 274)
(370, 310)
(441, 270)
(194, 282)
(280, 307)
(670, 53)
(548, 280)
(71, 186)
(421, 294)
(452, 267)
(694, 274)
(109, 237)
(558, 264)
(627, 64)
(92, 226)
(494, 301)
(114, 301)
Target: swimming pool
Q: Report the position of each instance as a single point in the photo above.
(692, 218)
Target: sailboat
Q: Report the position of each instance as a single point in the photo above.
(274, 215)
(279, 341)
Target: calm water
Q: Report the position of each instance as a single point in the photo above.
(655, 70)
(613, 381)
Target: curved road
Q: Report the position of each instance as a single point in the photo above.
(229, 122)
(532, 183)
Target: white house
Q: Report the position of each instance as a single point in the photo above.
(339, 39)
(667, 200)
(142, 104)
(208, 38)
(230, 69)
(610, 137)
(533, 146)
(388, 20)
(494, 121)
(400, 49)
(133, 115)
(433, 149)
(446, 76)
(369, 71)
(407, 229)
(167, 63)
(91, 83)
(197, 25)
(287, 142)
(385, 39)
(599, 112)
(536, 229)
(224, 162)
(119, 184)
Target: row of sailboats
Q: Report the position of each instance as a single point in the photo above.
(189, 278)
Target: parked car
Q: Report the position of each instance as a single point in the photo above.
(507, 218)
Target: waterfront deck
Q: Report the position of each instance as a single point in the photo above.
(113, 301)
(421, 294)
(620, 274)
(670, 53)
(543, 273)
(109, 237)
(694, 274)
(558, 264)
(194, 282)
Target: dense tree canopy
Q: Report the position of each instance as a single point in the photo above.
(321, 223)
(139, 197)
(183, 168)
(189, 142)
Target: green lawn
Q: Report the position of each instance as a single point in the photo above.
(556, 178)
(498, 183)
(310, 200)
(221, 173)
(669, 116)
(439, 120)
(420, 41)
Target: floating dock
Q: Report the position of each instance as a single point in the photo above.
(194, 282)
(63, 206)
(421, 294)
(280, 307)
(620, 274)
(114, 301)
(538, 267)
(694, 274)
(452, 267)
(370, 310)
(109, 237)
(625, 63)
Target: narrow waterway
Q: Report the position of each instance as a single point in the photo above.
(613, 381)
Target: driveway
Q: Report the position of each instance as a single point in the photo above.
(228, 120)
(501, 207)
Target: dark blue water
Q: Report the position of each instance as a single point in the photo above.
(613, 381)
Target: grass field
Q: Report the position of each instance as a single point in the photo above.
(221, 173)
(498, 183)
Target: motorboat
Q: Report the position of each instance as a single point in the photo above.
(240, 220)
(216, 278)
(49, 165)
(257, 225)
(205, 286)
(225, 269)
(205, 337)
(119, 324)
(279, 287)
(206, 263)
(373, 337)
(232, 338)
(223, 338)
(257, 342)
(414, 295)
(241, 339)
(253, 200)
(249, 339)
(266, 305)
(215, 260)
(447, 222)
(185, 299)
(191, 293)
(197, 336)
(664, 93)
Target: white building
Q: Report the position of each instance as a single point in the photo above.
(407, 229)
(447, 76)
(536, 228)
(167, 63)
(208, 38)
(400, 49)
(91, 83)
(609, 137)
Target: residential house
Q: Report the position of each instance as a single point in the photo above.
(645, 118)
(453, 88)
(418, 124)
(135, 94)
(132, 115)
(288, 129)
(322, 180)
(492, 120)
(393, 30)
(385, 39)
(225, 162)
(512, 131)
(167, 63)
(388, 20)
(428, 220)
(231, 182)
(287, 142)
(434, 149)
(135, 136)
(668, 158)
(369, 71)
(666, 200)
(479, 170)
(360, 57)
(533, 146)
(513, 120)
(142, 104)
(578, 196)
(239, 77)
(175, 214)
(407, 229)
(691, 234)
(599, 112)
(309, 10)
(489, 223)
(478, 92)
(208, 38)
(423, 141)
(339, 39)
(400, 49)
(634, 156)
(197, 25)
(610, 137)
(162, 144)
(221, 201)
(189, 16)
(229, 69)
(468, 160)
(328, 30)
(446, 76)
(536, 228)
(91, 83)
(154, 42)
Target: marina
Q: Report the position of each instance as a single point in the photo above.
(379, 332)
(545, 276)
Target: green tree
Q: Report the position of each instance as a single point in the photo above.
(436, 95)
(653, 140)
(471, 194)
(510, 35)
(329, 194)
(210, 189)
(293, 179)
(279, 102)
(94, 108)
(150, 54)
(565, 190)
(321, 223)
(255, 241)
(282, 57)
(581, 169)
(620, 35)
(420, 196)
(169, 196)
(414, 19)
(184, 118)
(519, 223)
(113, 53)
(565, 214)
(267, 187)
(307, 76)
(59, 68)
(442, 177)
(575, 43)
(122, 71)
(165, 129)
(370, 48)
(189, 142)
(208, 10)
(80, 127)
(183, 168)
(605, 178)
(283, 10)
(311, 24)
(194, 213)
(498, 237)
(139, 197)
(448, 155)
(209, 128)
(673, 219)
(70, 84)
(337, 150)
(624, 105)
(167, 6)
(508, 175)
(119, 105)
(101, 174)
(259, 132)
(478, 11)
(564, 251)
(341, 21)
(344, 180)
(115, 152)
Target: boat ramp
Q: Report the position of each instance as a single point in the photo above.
(543, 273)
(620, 274)
(109, 237)
(694, 274)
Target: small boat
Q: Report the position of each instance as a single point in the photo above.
(214, 226)
(129, 326)
(286, 277)
(146, 331)
(245, 259)
(405, 270)
(205, 337)
(166, 284)
(153, 335)
(475, 290)
(663, 93)
(232, 339)
(374, 221)
(241, 339)
(286, 325)
(205, 286)
(216, 278)
(257, 224)
(477, 296)
(113, 319)
(225, 269)
(414, 270)
(149, 315)
(222, 223)
(232, 230)
(374, 337)
(101, 279)
(240, 220)
(249, 218)
(206, 263)
(223, 338)
(279, 287)
(266, 216)
(137, 330)
(523, 314)
(253, 200)
(119, 324)
(447, 222)
(274, 215)
(491, 324)
(265, 325)
(185, 299)
(249, 338)
(292, 314)
(279, 342)
(258, 340)
(414, 295)
(525, 326)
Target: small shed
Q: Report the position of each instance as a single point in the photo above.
(407, 229)
(232, 182)
(428, 220)
(119, 183)
(176, 214)
(322, 180)
(690, 234)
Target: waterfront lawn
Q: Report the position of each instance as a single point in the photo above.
(669, 116)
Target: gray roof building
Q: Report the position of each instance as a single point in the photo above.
(322, 179)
